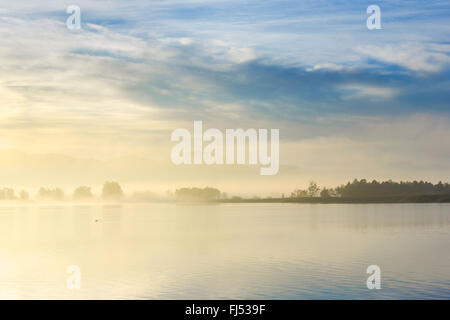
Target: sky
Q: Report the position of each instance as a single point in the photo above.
(82, 106)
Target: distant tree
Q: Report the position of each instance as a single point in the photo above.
(211, 193)
(363, 188)
(313, 189)
(112, 191)
(298, 193)
(197, 194)
(439, 188)
(7, 194)
(325, 193)
(50, 194)
(82, 193)
(23, 195)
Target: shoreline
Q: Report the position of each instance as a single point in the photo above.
(338, 200)
(305, 200)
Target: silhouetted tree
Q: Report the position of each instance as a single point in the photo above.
(325, 193)
(197, 194)
(362, 188)
(298, 193)
(7, 194)
(23, 195)
(82, 193)
(112, 191)
(50, 194)
(313, 189)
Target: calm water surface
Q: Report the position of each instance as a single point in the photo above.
(248, 251)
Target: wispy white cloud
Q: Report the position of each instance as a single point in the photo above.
(328, 66)
(358, 90)
(428, 57)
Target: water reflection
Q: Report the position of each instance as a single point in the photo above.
(225, 251)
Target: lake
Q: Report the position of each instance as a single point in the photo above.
(227, 251)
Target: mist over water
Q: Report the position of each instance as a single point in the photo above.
(236, 251)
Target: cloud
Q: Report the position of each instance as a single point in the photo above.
(137, 70)
(416, 57)
(241, 55)
(358, 91)
(327, 66)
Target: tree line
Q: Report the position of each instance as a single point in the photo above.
(111, 191)
(199, 194)
(9, 194)
(356, 189)
(363, 189)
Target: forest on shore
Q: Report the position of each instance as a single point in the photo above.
(357, 191)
